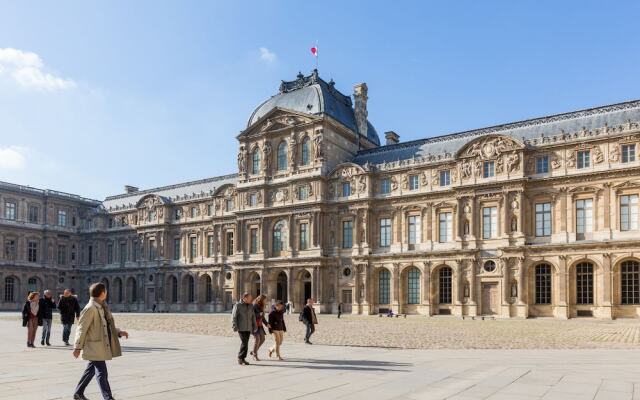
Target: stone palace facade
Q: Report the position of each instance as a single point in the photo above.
(532, 218)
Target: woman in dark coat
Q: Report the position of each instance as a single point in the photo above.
(32, 317)
(259, 334)
(277, 327)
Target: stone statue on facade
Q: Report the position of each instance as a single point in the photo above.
(242, 160)
(318, 150)
(266, 156)
(513, 162)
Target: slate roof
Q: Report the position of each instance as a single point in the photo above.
(528, 132)
(312, 95)
(187, 190)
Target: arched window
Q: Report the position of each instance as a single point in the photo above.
(306, 149)
(584, 283)
(208, 289)
(279, 237)
(32, 285)
(444, 285)
(413, 286)
(117, 283)
(543, 284)
(174, 289)
(133, 290)
(255, 161)
(384, 284)
(191, 289)
(282, 156)
(630, 282)
(9, 289)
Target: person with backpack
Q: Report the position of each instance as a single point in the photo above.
(308, 317)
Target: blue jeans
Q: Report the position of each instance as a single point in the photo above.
(46, 329)
(66, 332)
(98, 368)
(310, 329)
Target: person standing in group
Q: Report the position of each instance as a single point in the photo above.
(69, 310)
(339, 310)
(243, 321)
(259, 334)
(32, 317)
(47, 305)
(277, 327)
(310, 320)
(97, 340)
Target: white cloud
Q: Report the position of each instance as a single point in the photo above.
(12, 158)
(268, 56)
(27, 70)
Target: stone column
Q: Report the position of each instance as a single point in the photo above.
(472, 302)
(395, 288)
(426, 293)
(290, 279)
(523, 309)
(456, 289)
(506, 286)
(366, 304)
(562, 308)
(606, 301)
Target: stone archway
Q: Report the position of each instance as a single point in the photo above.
(282, 285)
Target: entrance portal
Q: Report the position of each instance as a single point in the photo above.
(281, 287)
(490, 298)
(306, 287)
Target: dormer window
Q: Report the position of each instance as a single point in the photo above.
(282, 156)
(414, 184)
(346, 189)
(488, 169)
(445, 178)
(584, 159)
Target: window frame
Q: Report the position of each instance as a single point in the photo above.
(492, 216)
(543, 225)
(583, 159)
(629, 212)
(445, 178)
(542, 164)
(627, 153)
(488, 169)
(385, 232)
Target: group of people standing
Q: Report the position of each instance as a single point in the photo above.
(38, 311)
(249, 318)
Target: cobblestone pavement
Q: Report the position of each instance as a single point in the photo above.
(162, 365)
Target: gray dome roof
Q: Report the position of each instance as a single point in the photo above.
(312, 95)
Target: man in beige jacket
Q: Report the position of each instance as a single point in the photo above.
(97, 340)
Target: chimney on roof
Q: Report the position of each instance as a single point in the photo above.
(392, 137)
(360, 107)
(130, 189)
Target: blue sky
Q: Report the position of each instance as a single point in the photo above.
(94, 96)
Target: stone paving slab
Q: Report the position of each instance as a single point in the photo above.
(162, 365)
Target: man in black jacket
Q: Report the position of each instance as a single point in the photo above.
(69, 311)
(309, 319)
(47, 305)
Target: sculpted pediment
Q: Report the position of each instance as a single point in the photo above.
(627, 185)
(150, 201)
(346, 171)
(488, 147)
(276, 119)
(227, 190)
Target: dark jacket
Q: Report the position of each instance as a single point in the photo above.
(46, 307)
(26, 311)
(276, 320)
(69, 309)
(308, 314)
(243, 319)
(260, 316)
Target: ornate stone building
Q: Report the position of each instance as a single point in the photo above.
(532, 218)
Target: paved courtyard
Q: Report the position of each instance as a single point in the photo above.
(165, 365)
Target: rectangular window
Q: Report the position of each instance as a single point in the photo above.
(346, 189)
(10, 249)
(33, 214)
(584, 159)
(385, 232)
(252, 200)
(230, 243)
(253, 246)
(629, 212)
(62, 218)
(62, 255)
(229, 205)
(10, 210)
(385, 186)
(414, 184)
(194, 212)
(210, 242)
(32, 248)
(193, 247)
(543, 219)
(584, 218)
(488, 169)
(177, 214)
(176, 248)
(445, 229)
(304, 233)
(303, 192)
(123, 253)
(414, 227)
(90, 255)
(445, 178)
(110, 253)
(347, 234)
(209, 210)
(152, 249)
(543, 284)
(489, 222)
(628, 153)
(542, 164)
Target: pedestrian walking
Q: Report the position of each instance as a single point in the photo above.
(288, 307)
(339, 310)
(47, 305)
(69, 310)
(309, 319)
(261, 319)
(277, 328)
(32, 317)
(243, 321)
(97, 341)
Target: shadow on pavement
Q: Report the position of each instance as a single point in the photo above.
(344, 365)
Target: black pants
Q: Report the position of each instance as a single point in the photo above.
(98, 368)
(310, 329)
(244, 345)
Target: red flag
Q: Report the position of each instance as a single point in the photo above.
(314, 51)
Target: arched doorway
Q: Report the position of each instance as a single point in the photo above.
(306, 286)
(281, 287)
(117, 287)
(132, 290)
(254, 285)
